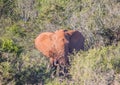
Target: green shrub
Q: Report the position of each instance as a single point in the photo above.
(9, 9)
(96, 66)
(16, 30)
(5, 69)
(25, 65)
(8, 45)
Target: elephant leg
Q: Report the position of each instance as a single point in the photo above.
(55, 67)
(51, 62)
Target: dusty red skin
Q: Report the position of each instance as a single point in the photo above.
(57, 45)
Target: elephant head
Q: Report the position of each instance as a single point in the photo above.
(53, 45)
(57, 45)
(61, 45)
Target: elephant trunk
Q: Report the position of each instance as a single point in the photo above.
(63, 56)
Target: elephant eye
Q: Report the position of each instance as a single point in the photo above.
(63, 40)
(67, 36)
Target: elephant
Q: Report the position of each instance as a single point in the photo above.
(59, 44)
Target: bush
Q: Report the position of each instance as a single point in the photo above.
(16, 30)
(9, 9)
(8, 45)
(96, 66)
(21, 21)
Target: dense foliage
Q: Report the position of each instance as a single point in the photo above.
(22, 20)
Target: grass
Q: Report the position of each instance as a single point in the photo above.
(96, 66)
(93, 67)
(98, 21)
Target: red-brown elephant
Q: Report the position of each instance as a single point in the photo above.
(57, 45)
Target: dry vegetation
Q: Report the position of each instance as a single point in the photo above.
(22, 20)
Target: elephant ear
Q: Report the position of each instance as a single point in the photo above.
(76, 40)
(43, 43)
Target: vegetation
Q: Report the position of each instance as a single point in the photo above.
(22, 20)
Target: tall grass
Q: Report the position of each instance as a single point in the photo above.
(97, 20)
(96, 66)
